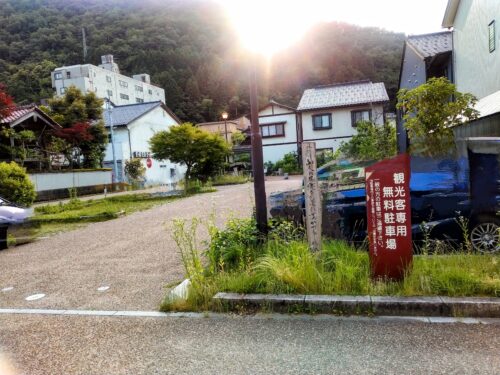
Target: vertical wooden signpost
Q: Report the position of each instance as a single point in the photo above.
(389, 217)
(312, 196)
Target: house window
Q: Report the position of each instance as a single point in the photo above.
(273, 130)
(491, 36)
(62, 90)
(323, 121)
(68, 74)
(139, 100)
(150, 92)
(138, 88)
(108, 79)
(124, 96)
(58, 75)
(362, 115)
(123, 83)
(172, 172)
(110, 93)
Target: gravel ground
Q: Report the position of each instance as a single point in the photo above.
(246, 345)
(134, 255)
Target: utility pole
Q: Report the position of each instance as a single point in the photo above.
(115, 166)
(257, 155)
(84, 45)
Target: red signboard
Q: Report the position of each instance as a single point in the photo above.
(389, 217)
(149, 162)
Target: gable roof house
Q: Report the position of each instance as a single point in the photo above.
(133, 127)
(32, 118)
(424, 56)
(329, 114)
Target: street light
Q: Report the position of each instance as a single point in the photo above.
(224, 117)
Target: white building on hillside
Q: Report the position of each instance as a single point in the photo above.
(329, 114)
(107, 82)
(133, 127)
(278, 127)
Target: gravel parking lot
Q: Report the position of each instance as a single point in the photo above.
(134, 256)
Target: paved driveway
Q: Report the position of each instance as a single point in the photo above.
(57, 345)
(134, 255)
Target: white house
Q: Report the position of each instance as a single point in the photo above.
(133, 126)
(476, 61)
(107, 82)
(476, 49)
(279, 130)
(329, 114)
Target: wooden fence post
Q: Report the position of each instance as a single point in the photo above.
(312, 196)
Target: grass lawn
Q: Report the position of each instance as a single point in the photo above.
(229, 179)
(55, 218)
(285, 265)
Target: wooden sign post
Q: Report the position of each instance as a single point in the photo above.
(312, 196)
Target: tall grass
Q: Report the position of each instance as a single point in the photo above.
(284, 264)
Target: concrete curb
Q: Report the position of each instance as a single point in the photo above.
(473, 307)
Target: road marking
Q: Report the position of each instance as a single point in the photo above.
(34, 297)
(7, 289)
(103, 288)
(259, 316)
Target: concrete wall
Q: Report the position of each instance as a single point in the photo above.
(66, 180)
(476, 69)
(342, 129)
(89, 77)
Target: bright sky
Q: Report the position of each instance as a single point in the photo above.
(270, 25)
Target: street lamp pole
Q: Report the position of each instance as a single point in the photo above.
(115, 166)
(257, 156)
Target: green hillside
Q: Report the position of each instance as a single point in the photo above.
(188, 47)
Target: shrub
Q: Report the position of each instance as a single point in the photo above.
(289, 163)
(15, 184)
(134, 169)
(229, 179)
(233, 247)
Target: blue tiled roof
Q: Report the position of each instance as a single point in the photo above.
(125, 114)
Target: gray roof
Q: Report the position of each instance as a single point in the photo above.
(429, 45)
(343, 95)
(125, 114)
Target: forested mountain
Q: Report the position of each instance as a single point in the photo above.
(187, 46)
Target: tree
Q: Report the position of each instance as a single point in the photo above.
(6, 102)
(134, 169)
(371, 142)
(75, 136)
(19, 149)
(201, 152)
(15, 184)
(431, 111)
(75, 107)
(80, 115)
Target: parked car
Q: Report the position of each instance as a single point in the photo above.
(439, 201)
(10, 214)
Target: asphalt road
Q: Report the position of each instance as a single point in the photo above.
(246, 345)
(134, 256)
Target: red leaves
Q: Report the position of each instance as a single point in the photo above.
(76, 133)
(6, 102)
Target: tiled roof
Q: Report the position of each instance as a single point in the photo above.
(17, 112)
(124, 114)
(428, 45)
(343, 95)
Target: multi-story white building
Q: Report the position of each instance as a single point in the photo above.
(107, 82)
(329, 114)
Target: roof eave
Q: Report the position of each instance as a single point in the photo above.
(343, 106)
(450, 13)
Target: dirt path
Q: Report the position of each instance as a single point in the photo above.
(134, 256)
